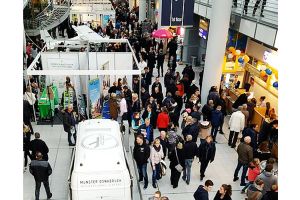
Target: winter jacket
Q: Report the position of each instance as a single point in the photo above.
(216, 118)
(194, 131)
(162, 120)
(270, 195)
(245, 153)
(154, 85)
(141, 153)
(207, 151)
(213, 96)
(180, 88)
(237, 121)
(38, 145)
(149, 132)
(159, 97)
(201, 193)
(40, 169)
(164, 143)
(190, 150)
(218, 196)
(68, 121)
(242, 99)
(252, 134)
(253, 173)
(253, 193)
(145, 97)
(156, 156)
(269, 179)
(262, 155)
(206, 111)
(173, 158)
(152, 117)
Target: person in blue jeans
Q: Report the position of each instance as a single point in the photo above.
(141, 154)
(190, 151)
(245, 156)
(216, 121)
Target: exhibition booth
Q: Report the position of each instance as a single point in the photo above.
(91, 74)
(252, 69)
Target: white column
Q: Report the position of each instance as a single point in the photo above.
(159, 14)
(131, 4)
(142, 10)
(216, 44)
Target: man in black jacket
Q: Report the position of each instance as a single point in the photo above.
(190, 151)
(41, 170)
(160, 62)
(202, 191)
(38, 145)
(141, 154)
(148, 78)
(151, 61)
(156, 84)
(69, 122)
(206, 154)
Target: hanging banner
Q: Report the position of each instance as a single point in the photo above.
(177, 12)
(95, 100)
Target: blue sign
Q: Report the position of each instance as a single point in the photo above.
(177, 12)
(94, 94)
(203, 33)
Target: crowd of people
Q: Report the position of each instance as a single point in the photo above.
(148, 108)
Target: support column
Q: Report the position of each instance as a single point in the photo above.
(142, 10)
(216, 44)
(131, 4)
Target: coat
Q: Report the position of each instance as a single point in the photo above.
(154, 85)
(156, 156)
(141, 153)
(207, 152)
(242, 99)
(40, 169)
(173, 158)
(253, 193)
(113, 108)
(68, 121)
(190, 150)
(216, 118)
(269, 179)
(218, 196)
(149, 132)
(206, 111)
(237, 121)
(245, 153)
(162, 120)
(180, 88)
(201, 193)
(38, 145)
(152, 117)
(252, 134)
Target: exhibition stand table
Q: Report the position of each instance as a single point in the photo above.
(45, 105)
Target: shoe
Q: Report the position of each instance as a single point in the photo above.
(253, 14)
(262, 15)
(49, 196)
(140, 179)
(71, 144)
(201, 178)
(221, 132)
(145, 187)
(154, 185)
(233, 146)
(187, 182)
(235, 179)
(175, 186)
(229, 144)
(242, 192)
(183, 178)
(243, 184)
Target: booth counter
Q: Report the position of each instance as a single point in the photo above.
(45, 106)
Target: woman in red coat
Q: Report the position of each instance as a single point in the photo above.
(180, 88)
(163, 120)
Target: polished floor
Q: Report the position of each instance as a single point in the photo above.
(220, 171)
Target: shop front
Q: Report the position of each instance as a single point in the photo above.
(253, 70)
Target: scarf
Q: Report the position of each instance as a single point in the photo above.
(157, 148)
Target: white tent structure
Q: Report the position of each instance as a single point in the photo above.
(82, 66)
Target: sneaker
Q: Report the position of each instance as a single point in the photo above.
(235, 179)
(49, 196)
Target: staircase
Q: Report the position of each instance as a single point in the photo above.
(49, 18)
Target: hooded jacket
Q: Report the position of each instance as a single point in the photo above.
(269, 179)
(253, 193)
(141, 153)
(201, 193)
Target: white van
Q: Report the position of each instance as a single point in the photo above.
(100, 168)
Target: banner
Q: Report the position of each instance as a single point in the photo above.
(95, 100)
(177, 12)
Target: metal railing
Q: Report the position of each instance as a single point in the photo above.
(261, 11)
(50, 13)
(268, 9)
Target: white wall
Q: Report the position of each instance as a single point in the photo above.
(256, 50)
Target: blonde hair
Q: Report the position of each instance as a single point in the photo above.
(156, 141)
(179, 145)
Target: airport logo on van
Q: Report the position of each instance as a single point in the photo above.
(99, 142)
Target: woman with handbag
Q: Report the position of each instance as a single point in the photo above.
(156, 155)
(176, 164)
(206, 154)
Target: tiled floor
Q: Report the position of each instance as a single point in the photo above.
(220, 171)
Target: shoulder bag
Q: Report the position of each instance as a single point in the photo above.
(178, 167)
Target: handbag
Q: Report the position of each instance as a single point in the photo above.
(178, 167)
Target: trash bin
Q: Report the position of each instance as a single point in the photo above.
(194, 61)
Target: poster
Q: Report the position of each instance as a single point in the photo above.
(94, 94)
(177, 12)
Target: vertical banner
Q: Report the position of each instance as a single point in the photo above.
(166, 13)
(177, 13)
(95, 100)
